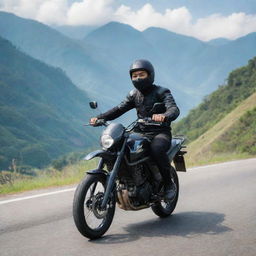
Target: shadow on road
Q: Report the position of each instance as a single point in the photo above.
(185, 224)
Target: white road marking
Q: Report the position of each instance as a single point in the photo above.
(35, 196)
(219, 164)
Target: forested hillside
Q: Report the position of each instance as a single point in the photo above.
(241, 83)
(223, 127)
(241, 138)
(41, 111)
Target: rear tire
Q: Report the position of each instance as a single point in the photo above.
(87, 199)
(164, 208)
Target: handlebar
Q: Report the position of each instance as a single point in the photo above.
(144, 121)
(149, 121)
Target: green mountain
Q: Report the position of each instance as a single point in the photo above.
(41, 111)
(189, 67)
(241, 83)
(75, 32)
(53, 48)
(233, 137)
(225, 121)
(219, 41)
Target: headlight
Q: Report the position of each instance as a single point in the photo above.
(106, 141)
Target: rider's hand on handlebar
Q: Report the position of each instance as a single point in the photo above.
(93, 121)
(158, 117)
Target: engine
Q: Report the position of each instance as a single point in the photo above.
(135, 191)
(140, 195)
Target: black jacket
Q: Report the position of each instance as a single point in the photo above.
(143, 105)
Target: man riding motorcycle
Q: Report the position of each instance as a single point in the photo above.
(143, 97)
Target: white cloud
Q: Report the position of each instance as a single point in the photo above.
(180, 21)
(177, 20)
(52, 12)
(47, 11)
(90, 12)
(232, 26)
(99, 12)
(24, 8)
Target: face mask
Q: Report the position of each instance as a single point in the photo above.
(143, 85)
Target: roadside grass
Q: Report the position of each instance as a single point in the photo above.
(50, 177)
(201, 151)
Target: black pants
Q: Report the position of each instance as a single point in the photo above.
(160, 144)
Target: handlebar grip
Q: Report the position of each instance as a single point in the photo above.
(149, 121)
(100, 122)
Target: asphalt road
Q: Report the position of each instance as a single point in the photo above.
(215, 215)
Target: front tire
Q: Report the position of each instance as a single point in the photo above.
(90, 220)
(165, 208)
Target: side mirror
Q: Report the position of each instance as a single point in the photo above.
(93, 104)
(158, 108)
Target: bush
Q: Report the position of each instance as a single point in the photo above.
(63, 161)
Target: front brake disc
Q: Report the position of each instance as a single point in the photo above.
(96, 206)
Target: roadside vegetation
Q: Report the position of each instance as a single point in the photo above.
(13, 182)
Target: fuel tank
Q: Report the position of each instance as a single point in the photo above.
(138, 147)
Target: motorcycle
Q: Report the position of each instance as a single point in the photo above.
(126, 175)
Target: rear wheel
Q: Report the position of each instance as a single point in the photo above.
(90, 219)
(164, 208)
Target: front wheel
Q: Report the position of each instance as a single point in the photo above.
(164, 208)
(92, 221)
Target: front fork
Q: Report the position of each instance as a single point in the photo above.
(112, 175)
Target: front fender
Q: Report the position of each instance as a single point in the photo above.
(97, 172)
(100, 153)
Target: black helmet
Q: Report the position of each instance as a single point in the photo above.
(143, 65)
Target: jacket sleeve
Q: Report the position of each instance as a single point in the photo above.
(126, 105)
(172, 111)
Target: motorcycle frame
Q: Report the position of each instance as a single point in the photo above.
(174, 154)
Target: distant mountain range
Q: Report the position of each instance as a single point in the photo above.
(219, 41)
(75, 32)
(41, 111)
(53, 48)
(99, 63)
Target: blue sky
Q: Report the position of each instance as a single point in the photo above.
(200, 8)
(202, 19)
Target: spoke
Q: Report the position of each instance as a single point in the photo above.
(88, 214)
(91, 211)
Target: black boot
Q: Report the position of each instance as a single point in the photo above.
(170, 191)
